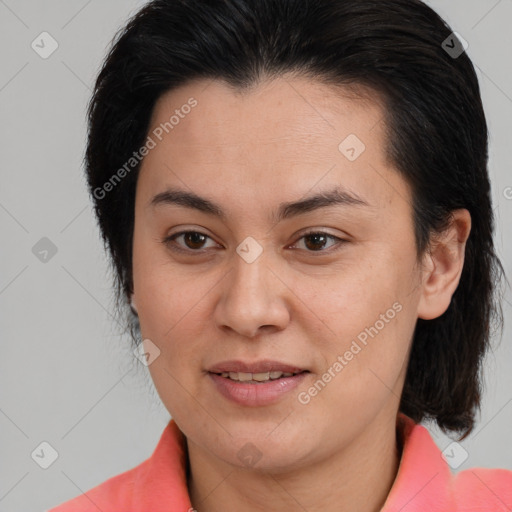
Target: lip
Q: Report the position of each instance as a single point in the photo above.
(265, 365)
(255, 394)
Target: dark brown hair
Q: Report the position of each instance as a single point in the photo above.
(437, 140)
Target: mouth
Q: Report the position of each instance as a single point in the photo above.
(256, 372)
(256, 384)
(257, 378)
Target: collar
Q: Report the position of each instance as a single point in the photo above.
(423, 480)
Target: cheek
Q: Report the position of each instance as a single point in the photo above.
(366, 316)
(350, 299)
(373, 364)
(172, 307)
(166, 298)
(172, 315)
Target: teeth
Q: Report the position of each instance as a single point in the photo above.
(258, 377)
(261, 376)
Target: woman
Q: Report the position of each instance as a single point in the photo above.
(296, 202)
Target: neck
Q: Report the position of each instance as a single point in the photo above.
(358, 477)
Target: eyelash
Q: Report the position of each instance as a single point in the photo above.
(167, 242)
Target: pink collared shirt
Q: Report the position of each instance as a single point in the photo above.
(424, 482)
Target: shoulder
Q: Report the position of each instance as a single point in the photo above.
(425, 481)
(109, 495)
(152, 485)
(482, 489)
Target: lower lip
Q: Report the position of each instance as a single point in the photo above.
(254, 395)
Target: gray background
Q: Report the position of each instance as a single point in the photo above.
(67, 374)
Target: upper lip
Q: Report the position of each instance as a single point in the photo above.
(262, 366)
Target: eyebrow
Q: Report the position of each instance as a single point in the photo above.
(326, 199)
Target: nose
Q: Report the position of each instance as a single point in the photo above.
(253, 298)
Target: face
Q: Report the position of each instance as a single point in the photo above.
(260, 280)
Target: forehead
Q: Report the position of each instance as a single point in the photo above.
(284, 136)
(278, 111)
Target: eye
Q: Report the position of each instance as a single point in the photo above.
(194, 241)
(315, 241)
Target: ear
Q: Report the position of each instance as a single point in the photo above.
(443, 265)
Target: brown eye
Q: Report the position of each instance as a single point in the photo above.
(316, 241)
(192, 241)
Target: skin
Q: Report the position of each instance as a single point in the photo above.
(248, 153)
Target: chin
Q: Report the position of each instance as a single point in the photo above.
(263, 451)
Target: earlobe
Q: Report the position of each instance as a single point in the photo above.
(444, 265)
